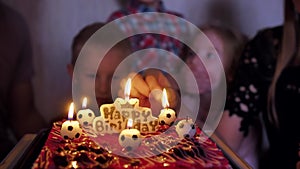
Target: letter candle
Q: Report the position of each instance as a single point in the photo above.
(70, 129)
(127, 102)
(114, 117)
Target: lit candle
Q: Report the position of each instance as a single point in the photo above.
(114, 117)
(167, 115)
(127, 89)
(85, 116)
(129, 138)
(186, 128)
(127, 102)
(74, 164)
(70, 129)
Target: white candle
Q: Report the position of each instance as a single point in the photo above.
(114, 117)
(70, 129)
(167, 115)
(85, 116)
(129, 138)
(127, 102)
(74, 164)
(186, 128)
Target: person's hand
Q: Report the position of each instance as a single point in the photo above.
(148, 89)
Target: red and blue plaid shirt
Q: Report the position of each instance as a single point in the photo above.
(148, 40)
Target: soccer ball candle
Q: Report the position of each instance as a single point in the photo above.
(130, 139)
(186, 128)
(85, 116)
(167, 115)
(70, 129)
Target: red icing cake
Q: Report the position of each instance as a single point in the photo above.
(166, 151)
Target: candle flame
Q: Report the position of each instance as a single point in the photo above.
(127, 89)
(74, 164)
(166, 164)
(84, 102)
(71, 111)
(129, 123)
(164, 99)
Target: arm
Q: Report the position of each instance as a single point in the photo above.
(24, 117)
(228, 130)
(248, 95)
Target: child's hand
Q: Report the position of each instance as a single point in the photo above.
(148, 89)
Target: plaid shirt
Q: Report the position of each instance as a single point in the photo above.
(147, 40)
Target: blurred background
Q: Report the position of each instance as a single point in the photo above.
(54, 23)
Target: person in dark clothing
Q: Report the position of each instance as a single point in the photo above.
(18, 114)
(267, 84)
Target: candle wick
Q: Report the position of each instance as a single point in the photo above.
(127, 97)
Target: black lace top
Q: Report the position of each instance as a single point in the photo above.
(248, 96)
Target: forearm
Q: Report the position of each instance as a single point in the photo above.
(228, 131)
(23, 115)
(31, 123)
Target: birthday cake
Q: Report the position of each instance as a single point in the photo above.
(126, 135)
(171, 152)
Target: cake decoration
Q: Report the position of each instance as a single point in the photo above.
(70, 129)
(167, 115)
(186, 128)
(85, 116)
(114, 117)
(130, 139)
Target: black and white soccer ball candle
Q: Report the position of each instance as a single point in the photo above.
(70, 129)
(130, 139)
(167, 115)
(186, 128)
(85, 116)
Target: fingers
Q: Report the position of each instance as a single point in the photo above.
(163, 80)
(152, 82)
(173, 97)
(123, 81)
(156, 94)
(139, 88)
